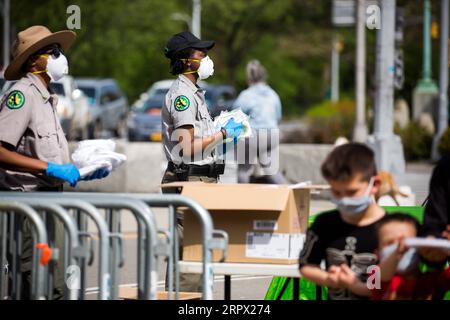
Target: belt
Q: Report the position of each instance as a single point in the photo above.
(209, 170)
(50, 189)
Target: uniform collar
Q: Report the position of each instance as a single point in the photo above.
(189, 83)
(45, 93)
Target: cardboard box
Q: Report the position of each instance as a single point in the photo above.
(265, 223)
(131, 294)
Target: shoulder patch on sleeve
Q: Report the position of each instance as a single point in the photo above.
(181, 103)
(15, 99)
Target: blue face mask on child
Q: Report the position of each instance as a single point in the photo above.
(407, 264)
(354, 207)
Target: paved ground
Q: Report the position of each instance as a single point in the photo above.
(417, 177)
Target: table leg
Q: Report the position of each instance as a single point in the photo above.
(296, 289)
(318, 293)
(227, 285)
(283, 289)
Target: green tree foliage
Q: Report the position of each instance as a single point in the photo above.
(444, 143)
(118, 39)
(124, 39)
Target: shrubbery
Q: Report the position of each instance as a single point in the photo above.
(330, 120)
(416, 141)
(444, 143)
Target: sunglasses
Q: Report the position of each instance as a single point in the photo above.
(55, 51)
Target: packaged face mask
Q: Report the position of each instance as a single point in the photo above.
(239, 117)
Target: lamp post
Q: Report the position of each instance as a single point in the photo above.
(360, 130)
(6, 32)
(387, 146)
(196, 18)
(442, 122)
(426, 92)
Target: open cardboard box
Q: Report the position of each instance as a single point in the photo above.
(265, 223)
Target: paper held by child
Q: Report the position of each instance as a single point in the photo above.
(239, 117)
(428, 243)
(92, 155)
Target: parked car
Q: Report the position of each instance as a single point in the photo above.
(2, 83)
(5, 85)
(144, 122)
(219, 97)
(72, 108)
(108, 106)
(158, 88)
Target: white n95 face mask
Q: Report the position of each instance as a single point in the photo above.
(57, 67)
(206, 68)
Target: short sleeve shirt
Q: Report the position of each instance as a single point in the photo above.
(185, 104)
(336, 242)
(29, 125)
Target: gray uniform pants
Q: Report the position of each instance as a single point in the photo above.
(189, 282)
(55, 229)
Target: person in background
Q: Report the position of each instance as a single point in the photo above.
(345, 238)
(436, 221)
(263, 106)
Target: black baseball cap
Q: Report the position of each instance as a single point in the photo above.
(184, 40)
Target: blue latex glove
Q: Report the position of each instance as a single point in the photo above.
(97, 174)
(233, 129)
(67, 172)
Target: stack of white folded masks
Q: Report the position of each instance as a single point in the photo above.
(239, 117)
(92, 155)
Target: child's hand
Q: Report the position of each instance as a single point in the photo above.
(401, 248)
(347, 277)
(333, 277)
(349, 280)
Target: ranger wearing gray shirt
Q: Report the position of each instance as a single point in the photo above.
(189, 136)
(34, 153)
(185, 105)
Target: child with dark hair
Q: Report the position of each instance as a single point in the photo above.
(345, 238)
(399, 267)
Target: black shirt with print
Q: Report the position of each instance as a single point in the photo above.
(335, 241)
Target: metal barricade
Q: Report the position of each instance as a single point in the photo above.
(147, 231)
(209, 241)
(40, 236)
(73, 249)
(150, 246)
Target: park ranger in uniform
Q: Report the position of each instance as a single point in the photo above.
(189, 136)
(34, 153)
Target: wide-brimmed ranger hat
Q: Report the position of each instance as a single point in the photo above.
(184, 40)
(31, 40)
